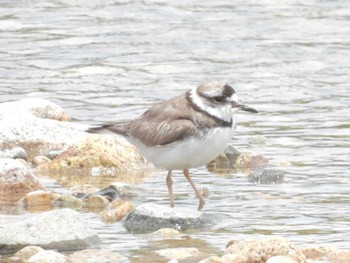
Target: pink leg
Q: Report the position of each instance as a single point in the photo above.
(169, 183)
(201, 199)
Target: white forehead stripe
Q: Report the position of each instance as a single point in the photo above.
(222, 114)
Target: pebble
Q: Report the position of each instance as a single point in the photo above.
(16, 179)
(178, 253)
(39, 200)
(97, 255)
(69, 201)
(120, 208)
(96, 202)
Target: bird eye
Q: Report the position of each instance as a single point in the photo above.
(218, 99)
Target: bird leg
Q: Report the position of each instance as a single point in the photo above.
(169, 183)
(201, 199)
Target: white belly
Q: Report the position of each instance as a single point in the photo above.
(189, 153)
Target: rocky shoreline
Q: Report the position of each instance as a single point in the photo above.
(36, 138)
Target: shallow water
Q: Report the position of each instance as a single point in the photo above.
(110, 60)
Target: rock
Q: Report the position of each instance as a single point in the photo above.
(262, 250)
(69, 201)
(339, 256)
(96, 255)
(267, 177)
(103, 155)
(36, 126)
(235, 258)
(83, 190)
(39, 160)
(40, 108)
(15, 153)
(212, 259)
(165, 233)
(47, 257)
(109, 192)
(63, 229)
(281, 259)
(96, 202)
(120, 208)
(316, 252)
(178, 253)
(39, 200)
(27, 252)
(127, 190)
(248, 160)
(151, 217)
(16, 179)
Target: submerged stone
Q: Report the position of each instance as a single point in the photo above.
(151, 217)
(267, 177)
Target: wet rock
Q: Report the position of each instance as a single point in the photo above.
(127, 190)
(212, 259)
(178, 253)
(267, 177)
(63, 229)
(15, 153)
(96, 202)
(151, 217)
(69, 201)
(39, 160)
(316, 252)
(281, 259)
(16, 179)
(47, 256)
(235, 258)
(37, 107)
(165, 233)
(262, 250)
(248, 160)
(339, 256)
(96, 255)
(36, 126)
(39, 200)
(109, 192)
(83, 190)
(231, 153)
(27, 252)
(99, 152)
(119, 209)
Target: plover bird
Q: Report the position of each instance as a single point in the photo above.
(184, 132)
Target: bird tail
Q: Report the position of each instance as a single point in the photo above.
(119, 128)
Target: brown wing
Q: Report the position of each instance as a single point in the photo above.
(152, 133)
(164, 123)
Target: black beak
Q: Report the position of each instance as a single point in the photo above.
(243, 107)
(246, 108)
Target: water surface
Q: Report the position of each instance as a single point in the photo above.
(110, 60)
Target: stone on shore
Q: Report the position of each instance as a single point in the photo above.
(15, 153)
(151, 217)
(47, 256)
(103, 155)
(96, 255)
(262, 250)
(119, 209)
(178, 253)
(16, 180)
(36, 125)
(63, 229)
